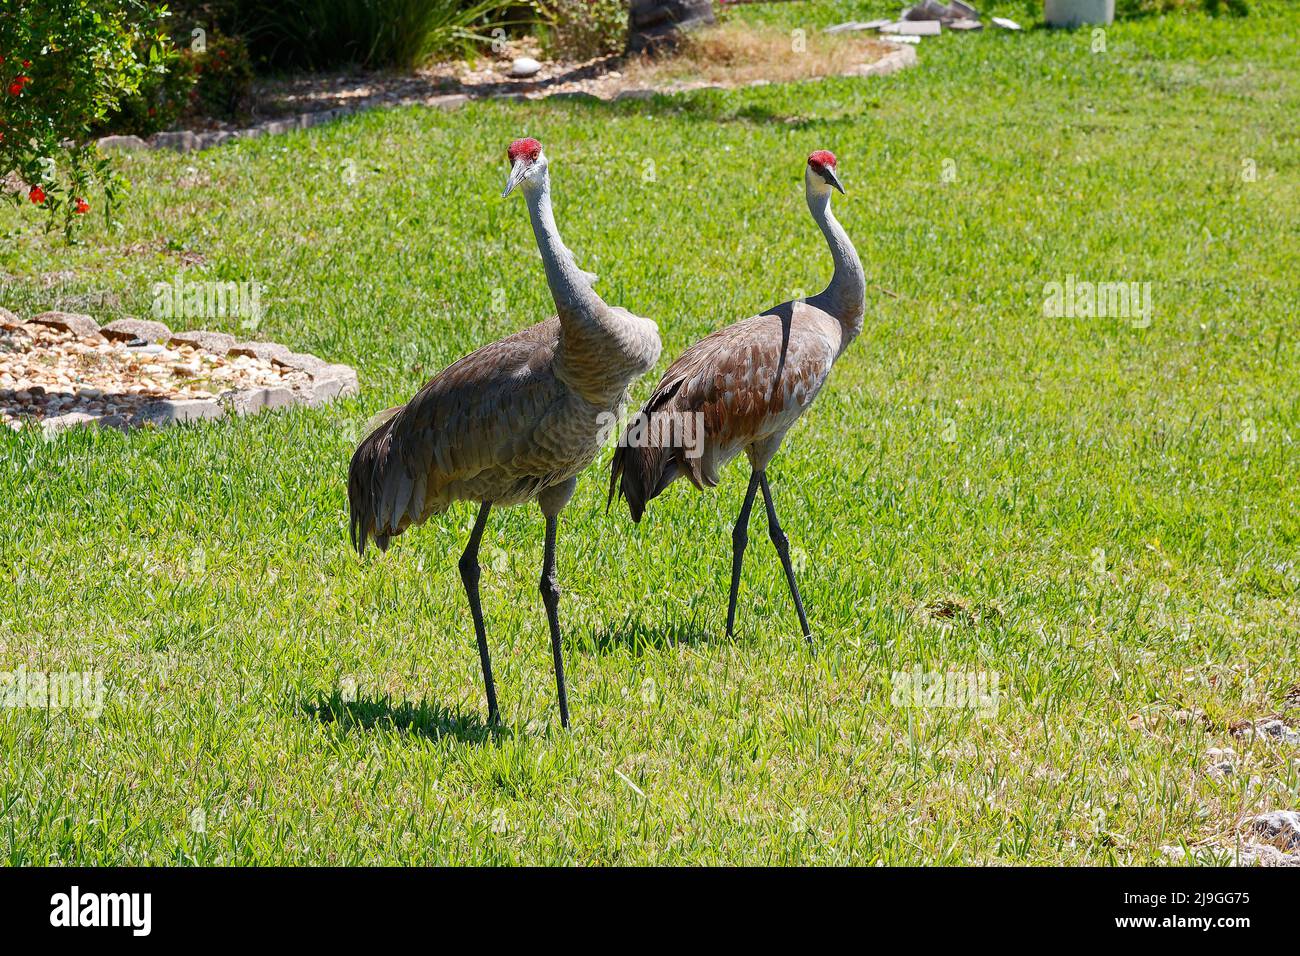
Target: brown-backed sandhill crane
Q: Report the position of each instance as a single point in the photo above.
(515, 421)
(746, 384)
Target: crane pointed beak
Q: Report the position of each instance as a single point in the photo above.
(516, 176)
(828, 174)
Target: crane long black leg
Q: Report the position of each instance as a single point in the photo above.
(551, 598)
(469, 575)
(739, 537)
(783, 549)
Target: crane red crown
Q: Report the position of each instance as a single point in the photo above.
(823, 158)
(528, 148)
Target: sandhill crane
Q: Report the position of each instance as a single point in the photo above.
(514, 421)
(746, 384)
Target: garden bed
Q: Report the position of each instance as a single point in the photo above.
(62, 369)
(728, 56)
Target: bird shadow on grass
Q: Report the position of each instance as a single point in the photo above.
(637, 636)
(431, 721)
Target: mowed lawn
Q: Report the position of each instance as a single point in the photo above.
(1104, 515)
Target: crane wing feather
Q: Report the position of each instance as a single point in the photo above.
(479, 415)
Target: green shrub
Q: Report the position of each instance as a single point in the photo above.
(582, 29)
(66, 65)
(399, 34)
(224, 77)
(160, 99)
(210, 78)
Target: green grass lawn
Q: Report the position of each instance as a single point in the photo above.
(1072, 504)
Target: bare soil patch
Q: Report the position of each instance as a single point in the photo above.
(729, 55)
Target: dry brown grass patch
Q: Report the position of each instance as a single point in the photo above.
(734, 54)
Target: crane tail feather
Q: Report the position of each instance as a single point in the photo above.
(369, 474)
(638, 475)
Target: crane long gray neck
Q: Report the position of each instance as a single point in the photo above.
(845, 296)
(571, 288)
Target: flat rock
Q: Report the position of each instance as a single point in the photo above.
(1278, 731)
(913, 28)
(524, 66)
(965, 24)
(121, 142)
(218, 343)
(945, 13)
(330, 382)
(276, 127)
(1005, 24)
(61, 423)
(215, 138)
(184, 141)
(8, 319)
(269, 351)
(124, 330)
(1279, 828)
(299, 360)
(255, 400)
(1261, 854)
(327, 389)
(82, 326)
(853, 26)
(891, 62)
(449, 101)
(172, 411)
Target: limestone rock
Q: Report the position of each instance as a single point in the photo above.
(171, 411)
(1279, 828)
(219, 343)
(524, 66)
(82, 326)
(124, 330)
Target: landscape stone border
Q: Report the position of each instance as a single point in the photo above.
(322, 381)
(186, 141)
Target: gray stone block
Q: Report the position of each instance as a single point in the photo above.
(269, 351)
(121, 142)
(218, 343)
(913, 28)
(61, 423)
(83, 326)
(451, 101)
(172, 411)
(124, 330)
(891, 62)
(252, 401)
(184, 141)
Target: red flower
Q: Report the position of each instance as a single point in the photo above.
(27, 64)
(37, 195)
(82, 207)
(16, 87)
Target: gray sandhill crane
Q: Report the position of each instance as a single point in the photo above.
(747, 384)
(516, 420)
